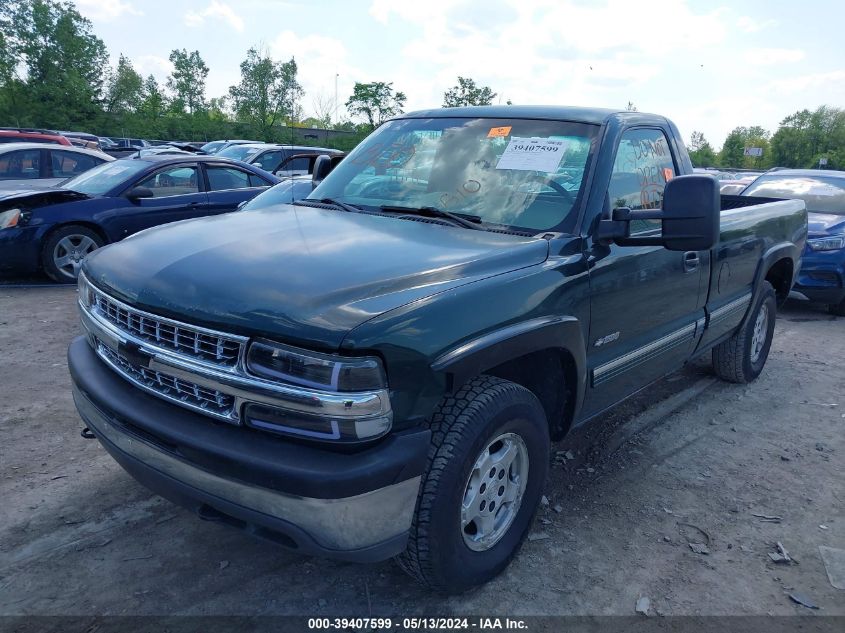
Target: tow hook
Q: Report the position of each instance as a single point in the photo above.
(87, 434)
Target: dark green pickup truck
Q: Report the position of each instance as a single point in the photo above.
(378, 370)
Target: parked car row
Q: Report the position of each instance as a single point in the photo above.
(54, 229)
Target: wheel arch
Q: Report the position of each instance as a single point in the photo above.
(93, 226)
(776, 260)
(541, 354)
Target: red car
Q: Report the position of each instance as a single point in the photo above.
(27, 135)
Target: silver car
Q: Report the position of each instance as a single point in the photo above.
(42, 166)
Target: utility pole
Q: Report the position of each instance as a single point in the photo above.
(336, 75)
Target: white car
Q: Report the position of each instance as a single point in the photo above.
(42, 166)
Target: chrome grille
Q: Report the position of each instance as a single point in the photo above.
(170, 387)
(184, 339)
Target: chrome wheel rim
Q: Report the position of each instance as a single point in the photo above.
(69, 253)
(493, 492)
(761, 328)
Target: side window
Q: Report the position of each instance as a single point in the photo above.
(173, 181)
(222, 178)
(268, 161)
(297, 164)
(21, 165)
(67, 164)
(257, 181)
(642, 168)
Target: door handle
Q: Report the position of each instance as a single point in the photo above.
(691, 261)
(193, 204)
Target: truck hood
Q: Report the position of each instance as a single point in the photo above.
(821, 224)
(299, 274)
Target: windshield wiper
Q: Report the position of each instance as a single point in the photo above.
(463, 219)
(343, 206)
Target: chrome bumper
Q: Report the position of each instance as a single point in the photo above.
(232, 382)
(341, 525)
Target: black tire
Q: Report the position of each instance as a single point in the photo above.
(462, 427)
(733, 360)
(837, 308)
(82, 236)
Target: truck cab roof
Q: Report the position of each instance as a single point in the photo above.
(595, 116)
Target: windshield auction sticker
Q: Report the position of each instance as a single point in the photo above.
(498, 132)
(532, 154)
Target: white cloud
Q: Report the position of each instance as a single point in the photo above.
(319, 59)
(215, 10)
(771, 56)
(831, 81)
(541, 51)
(106, 10)
(155, 65)
(753, 25)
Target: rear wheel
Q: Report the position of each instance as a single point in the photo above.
(64, 250)
(741, 358)
(488, 462)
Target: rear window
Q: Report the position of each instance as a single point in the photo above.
(239, 152)
(820, 193)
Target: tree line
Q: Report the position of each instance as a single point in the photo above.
(801, 140)
(55, 73)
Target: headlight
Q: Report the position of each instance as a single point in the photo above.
(827, 243)
(10, 218)
(324, 372)
(316, 371)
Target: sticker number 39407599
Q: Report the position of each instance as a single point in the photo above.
(532, 154)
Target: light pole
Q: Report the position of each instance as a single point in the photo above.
(336, 75)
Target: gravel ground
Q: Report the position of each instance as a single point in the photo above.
(691, 460)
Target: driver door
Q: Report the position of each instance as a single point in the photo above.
(647, 302)
(178, 194)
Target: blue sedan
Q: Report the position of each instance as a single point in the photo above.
(822, 275)
(53, 229)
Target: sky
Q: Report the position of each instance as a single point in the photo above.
(709, 66)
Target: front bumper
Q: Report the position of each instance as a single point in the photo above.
(351, 506)
(20, 248)
(822, 276)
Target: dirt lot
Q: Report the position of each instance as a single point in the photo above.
(692, 460)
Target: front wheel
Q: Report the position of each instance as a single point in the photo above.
(64, 250)
(741, 358)
(487, 466)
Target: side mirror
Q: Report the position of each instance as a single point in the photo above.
(137, 193)
(322, 168)
(690, 217)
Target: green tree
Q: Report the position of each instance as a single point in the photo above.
(268, 92)
(375, 101)
(804, 136)
(466, 93)
(700, 151)
(187, 81)
(733, 150)
(63, 63)
(124, 88)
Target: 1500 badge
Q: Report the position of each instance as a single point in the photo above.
(604, 340)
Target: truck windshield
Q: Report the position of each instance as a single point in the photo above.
(521, 173)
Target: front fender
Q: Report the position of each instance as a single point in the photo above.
(513, 341)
